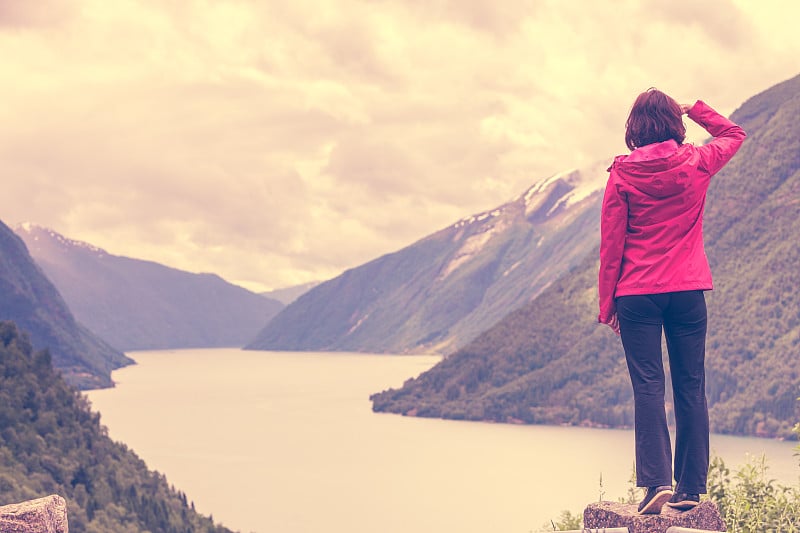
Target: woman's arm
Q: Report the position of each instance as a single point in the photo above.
(728, 136)
(613, 227)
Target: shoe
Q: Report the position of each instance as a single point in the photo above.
(683, 501)
(655, 499)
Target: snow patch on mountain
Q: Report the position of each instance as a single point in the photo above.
(537, 194)
(577, 184)
(466, 221)
(358, 324)
(473, 245)
(583, 183)
(512, 268)
(37, 232)
(586, 182)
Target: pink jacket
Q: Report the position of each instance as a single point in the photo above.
(651, 228)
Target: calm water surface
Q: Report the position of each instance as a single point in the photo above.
(287, 442)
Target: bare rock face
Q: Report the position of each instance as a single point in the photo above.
(611, 514)
(43, 515)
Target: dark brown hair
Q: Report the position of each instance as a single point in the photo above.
(655, 117)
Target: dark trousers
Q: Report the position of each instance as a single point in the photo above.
(682, 315)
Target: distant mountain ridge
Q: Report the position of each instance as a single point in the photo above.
(287, 295)
(30, 300)
(438, 293)
(550, 362)
(139, 305)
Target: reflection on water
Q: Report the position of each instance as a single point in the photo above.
(287, 442)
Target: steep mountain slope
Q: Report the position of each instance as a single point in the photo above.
(443, 290)
(30, 299)
(50, 442)
(550, 362)
(139, 305)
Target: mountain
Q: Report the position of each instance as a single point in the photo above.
(441, 291)
(550, 362)
(289, 294)
(51, 442)
(32, 301)
(142, 305)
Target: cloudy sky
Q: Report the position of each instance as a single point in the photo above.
(280, 142)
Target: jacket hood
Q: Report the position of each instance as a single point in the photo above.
(658, 170)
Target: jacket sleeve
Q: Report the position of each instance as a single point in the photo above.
(613, 227)
(728, 137)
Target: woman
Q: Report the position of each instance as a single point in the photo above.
(653, 271)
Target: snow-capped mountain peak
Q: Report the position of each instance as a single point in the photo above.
(564, 189)
(37, 233)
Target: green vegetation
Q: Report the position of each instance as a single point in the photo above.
(549, 362)
(567, 521)
(29, 299)
(749, 501)
(52, 443)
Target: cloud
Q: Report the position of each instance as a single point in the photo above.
(281, 142)
(722, 22)
(17, 14)
(498, 19)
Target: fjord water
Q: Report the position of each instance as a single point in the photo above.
(287, 442)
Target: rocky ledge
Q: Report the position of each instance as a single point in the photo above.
(611, 514)
(43, 515)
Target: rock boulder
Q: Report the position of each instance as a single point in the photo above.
(611, 514)
(43, 515)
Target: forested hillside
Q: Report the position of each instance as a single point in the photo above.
(550, 362)
(52, 443)
(29, 299)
